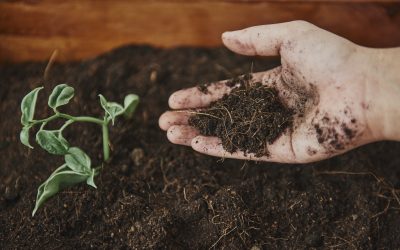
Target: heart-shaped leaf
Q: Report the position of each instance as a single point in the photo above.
(24, 137)
(61, 95)
(61, 178)
(77, 160)
(130, 103)
(52, 142)
(28, 105)
(112, 109)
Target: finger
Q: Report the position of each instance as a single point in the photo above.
(182, 135)
(278, 152)
(298, 147)
(171, 118)
(263, 40)
(194, 98)
(213, 146)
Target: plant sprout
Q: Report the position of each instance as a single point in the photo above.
(77, 167)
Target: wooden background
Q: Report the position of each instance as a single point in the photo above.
(32, 30)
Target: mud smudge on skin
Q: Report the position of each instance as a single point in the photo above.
(203, 88)
(239, 81)
(334, 134)
(311, 151)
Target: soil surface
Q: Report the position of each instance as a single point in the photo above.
(155, 195)
(247, 119)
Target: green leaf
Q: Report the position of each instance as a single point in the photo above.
(52, 142)
(130, 103)
(115, 110)
(112, 109)
(58, 180)
(61, 95)
(62, 139)
(77, 160)
(28, 105)
(103, 101)
(24, 137)
(90, 179)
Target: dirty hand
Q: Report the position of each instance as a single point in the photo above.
(344, 95)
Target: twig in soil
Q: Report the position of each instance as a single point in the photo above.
(213, 218)
(167, 183)
(383, 211)
(222, 236)
(349, 173)
(350, 243)
(276, 239)
(294, 204)
(229, 113)
(184, 195)
(197, 113)
(243, 166)
(385, 184)
(50, 64)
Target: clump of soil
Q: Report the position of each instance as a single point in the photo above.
(249, 118)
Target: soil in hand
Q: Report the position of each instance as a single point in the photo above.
(249, 118)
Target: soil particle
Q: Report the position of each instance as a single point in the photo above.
(247, 119)
(10, 194)
(311, 151)
(314, 239)
(125, 169)
(203, 88)
(348, 132)
(239, 81)
(137, 156)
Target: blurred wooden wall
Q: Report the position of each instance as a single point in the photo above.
(32, 30)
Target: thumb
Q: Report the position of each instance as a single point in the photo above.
(263, 40)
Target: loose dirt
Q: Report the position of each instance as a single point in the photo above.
(156, 195)
(249, 118)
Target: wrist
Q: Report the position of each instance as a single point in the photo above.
(383, 85)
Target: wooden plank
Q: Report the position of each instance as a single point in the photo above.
(81, 29)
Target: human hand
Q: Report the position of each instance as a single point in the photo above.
(336, 86)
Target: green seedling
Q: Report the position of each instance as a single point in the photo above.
(77, 167)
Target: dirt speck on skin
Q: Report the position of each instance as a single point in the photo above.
(156, 195)
(203, 88)
(311, 151)
(350, 133)
(249, 118)
(333, 134)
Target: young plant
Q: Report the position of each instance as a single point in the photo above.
(77, 167)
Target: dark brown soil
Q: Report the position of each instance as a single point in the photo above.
(155, 195)
(247, 119)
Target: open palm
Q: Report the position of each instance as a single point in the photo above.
(322, 77)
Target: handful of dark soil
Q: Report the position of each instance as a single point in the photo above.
(248, 119)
